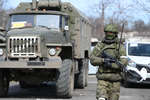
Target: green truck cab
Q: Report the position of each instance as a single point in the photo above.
(46, 41)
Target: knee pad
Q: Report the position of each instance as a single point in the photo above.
(101, 99)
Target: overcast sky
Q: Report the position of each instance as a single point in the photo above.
(87, 7)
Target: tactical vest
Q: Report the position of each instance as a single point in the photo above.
(106, 72)
(111, 49)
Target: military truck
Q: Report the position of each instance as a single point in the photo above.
(46, 41)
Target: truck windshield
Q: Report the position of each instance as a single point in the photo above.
(139, 49)
(49, 21)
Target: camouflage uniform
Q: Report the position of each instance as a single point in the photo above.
(108, 75)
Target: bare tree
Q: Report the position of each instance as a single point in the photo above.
(122, 14)
(101, 10)
(112, 11)
(143, 5)
(2, 3)
(139, 26)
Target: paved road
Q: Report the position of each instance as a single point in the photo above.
(46, 92)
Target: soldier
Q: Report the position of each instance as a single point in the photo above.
(109, 73)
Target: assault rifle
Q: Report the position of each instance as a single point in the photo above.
(108, 59)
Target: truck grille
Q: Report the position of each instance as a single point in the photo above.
(23, 46)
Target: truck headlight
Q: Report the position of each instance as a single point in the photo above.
(52, 51)
(1, 52)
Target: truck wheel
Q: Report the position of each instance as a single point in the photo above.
(65, 82)
(4, 84)
(80, 79)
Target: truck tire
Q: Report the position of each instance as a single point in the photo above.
(65, 82)
(80, 78)
(4, 84)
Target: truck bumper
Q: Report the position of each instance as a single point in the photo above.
(133, 80)
(133, 76)
(54, 62)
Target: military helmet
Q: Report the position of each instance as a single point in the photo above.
(111, 28)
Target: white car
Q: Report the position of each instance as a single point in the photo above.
(138, 68)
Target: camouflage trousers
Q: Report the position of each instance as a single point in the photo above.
(108, 90)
